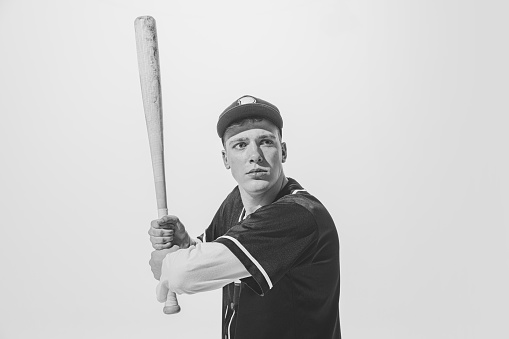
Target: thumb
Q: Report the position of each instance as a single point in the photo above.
(162, 291)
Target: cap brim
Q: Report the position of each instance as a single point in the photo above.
(248, 111)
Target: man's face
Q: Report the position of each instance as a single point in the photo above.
(255, 155)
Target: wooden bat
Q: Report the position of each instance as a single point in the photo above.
(150, 80)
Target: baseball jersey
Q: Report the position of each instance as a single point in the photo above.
(291, 250)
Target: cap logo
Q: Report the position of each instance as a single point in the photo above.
(246, 100)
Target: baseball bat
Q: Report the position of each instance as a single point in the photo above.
(150, 80)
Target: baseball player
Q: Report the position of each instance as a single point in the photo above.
(272, 246)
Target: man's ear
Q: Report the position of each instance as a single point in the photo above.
(225, 159)
(284, 151)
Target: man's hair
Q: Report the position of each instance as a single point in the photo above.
(245, 121)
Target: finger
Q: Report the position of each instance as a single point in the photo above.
(166, 246)
(154, 224)
(166, 233)
(160, 232)
(160, 240)
(168, 220)
(164, 222)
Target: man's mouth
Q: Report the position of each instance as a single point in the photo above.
(257, 170)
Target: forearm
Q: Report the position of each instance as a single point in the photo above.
(201, 267)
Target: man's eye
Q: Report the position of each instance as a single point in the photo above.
(240, 145)
(267, 142)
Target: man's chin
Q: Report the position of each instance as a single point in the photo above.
(257, 185)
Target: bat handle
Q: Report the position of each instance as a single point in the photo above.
(171, 306)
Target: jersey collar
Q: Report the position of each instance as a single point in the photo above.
(290, 186)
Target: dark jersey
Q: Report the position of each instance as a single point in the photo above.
(291, 249)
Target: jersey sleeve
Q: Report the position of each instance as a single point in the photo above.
(272, 241)
(199, 268)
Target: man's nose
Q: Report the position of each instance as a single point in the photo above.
(256, 156)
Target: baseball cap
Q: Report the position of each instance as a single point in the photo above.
(248, 106)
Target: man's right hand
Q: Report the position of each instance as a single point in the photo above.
(167, 232)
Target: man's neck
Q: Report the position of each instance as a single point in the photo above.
(252, 202)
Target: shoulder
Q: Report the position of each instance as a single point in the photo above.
(302, 198)
(283, 217)
(284, 207)
(295, 194)
(307, 205)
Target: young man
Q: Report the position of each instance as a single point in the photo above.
(271, 246)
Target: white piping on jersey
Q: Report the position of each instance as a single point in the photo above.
(257, 264)
(242, 215)
(205, 236)
(297, 191)
(230, 324)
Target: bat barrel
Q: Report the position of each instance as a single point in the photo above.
(150, 81)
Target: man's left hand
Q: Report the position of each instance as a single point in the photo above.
(156, 260)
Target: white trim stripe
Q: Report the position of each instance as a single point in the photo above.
(230, 324)
(257, 264)
(242, 214)
(297, 191)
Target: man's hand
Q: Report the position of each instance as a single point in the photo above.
(156, 260)
(167, 232)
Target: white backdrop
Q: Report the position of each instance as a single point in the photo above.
(395, 117)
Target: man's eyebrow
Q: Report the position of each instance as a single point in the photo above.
(244, 139)
(231, 141)
(267, 136)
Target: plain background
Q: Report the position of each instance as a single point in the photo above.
(396, 117)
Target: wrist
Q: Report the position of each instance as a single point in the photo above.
(187, 241)
(192, 242)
